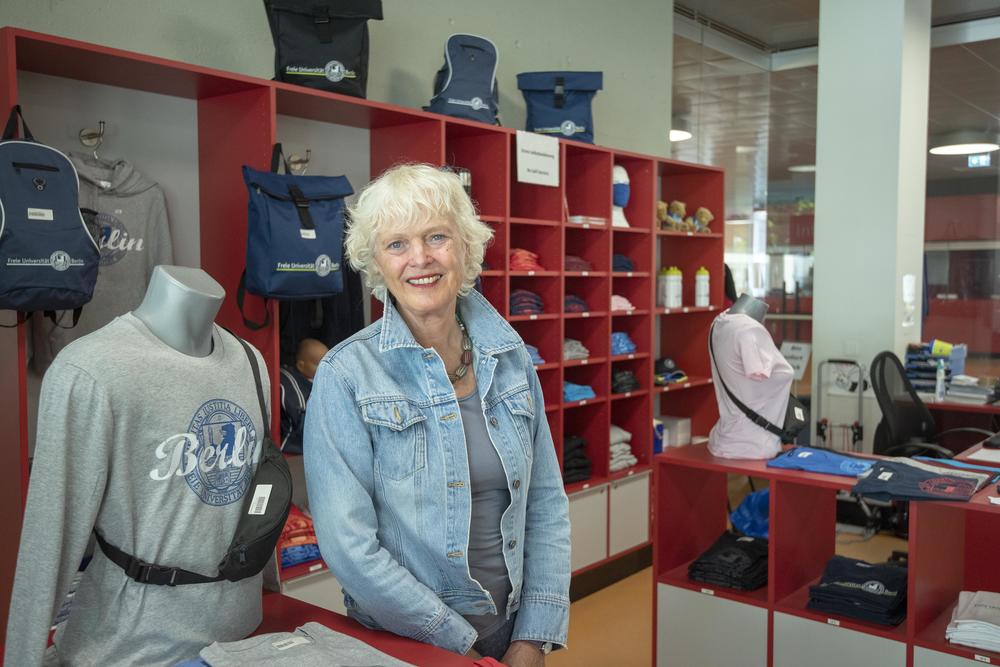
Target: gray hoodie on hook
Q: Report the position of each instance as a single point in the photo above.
(134, 237)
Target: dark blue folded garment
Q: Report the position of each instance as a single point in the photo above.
(906, 479)
(622, 263)
(811, 459)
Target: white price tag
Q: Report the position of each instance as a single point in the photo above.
(533, 317)
(39, 214)
(285, 644)
(982, 658)
(833, 621)
(261, 494)
(708, 591)
(531, 273)
(585, 273)
(628, 275)
(315, 566)
(586, 314)
(885, 476)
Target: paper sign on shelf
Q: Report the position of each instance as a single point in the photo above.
(797, 354)
(537, 159)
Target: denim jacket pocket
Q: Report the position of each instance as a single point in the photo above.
(522, 410)
(398, 436)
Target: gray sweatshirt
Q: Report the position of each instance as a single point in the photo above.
(152, 448)
(134, 237)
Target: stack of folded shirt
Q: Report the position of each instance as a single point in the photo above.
(298, 543)
(621, 343)
(574, 349)
(536, 358)
(574, 263)
(624, 380)
(525, 302)
(906, 479)
(618, 302)
(577, 392)
(574, 304)
(621, 263)
(851, 587)
(975, 621)
(621, 449)
(734, 561)
(811, 459)
(524, 260)
(576, 465)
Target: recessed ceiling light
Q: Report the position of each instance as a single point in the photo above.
(964, 149)
(964, 143)
(679, 135)
(802, 168)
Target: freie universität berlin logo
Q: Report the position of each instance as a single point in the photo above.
(227, 441)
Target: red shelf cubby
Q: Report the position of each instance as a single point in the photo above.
(530, 201)
(594, 374)
(498, 250)
(633, 415)
(642, 173)
(546, 242)
(590, 422)
(592, 289)
(484, 152)
(636, 247)
(494, 288)
(543, 334)
(545, 287)
(592, 245)
(588, 180)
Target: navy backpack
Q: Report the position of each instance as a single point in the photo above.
(295, 235)
(466, 85)
(48, 256)
(559, 102)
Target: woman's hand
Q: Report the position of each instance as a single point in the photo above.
(523, 654)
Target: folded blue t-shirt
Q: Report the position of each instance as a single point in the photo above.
(821, 460)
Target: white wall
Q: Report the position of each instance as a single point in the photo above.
(632, 43)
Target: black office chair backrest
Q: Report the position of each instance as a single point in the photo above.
(904, 415)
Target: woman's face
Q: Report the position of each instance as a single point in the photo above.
(422, 266)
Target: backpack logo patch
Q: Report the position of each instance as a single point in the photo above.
(476, 103)
(60, 260)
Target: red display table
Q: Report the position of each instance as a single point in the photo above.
(284, 614)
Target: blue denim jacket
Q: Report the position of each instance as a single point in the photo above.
(388, 476)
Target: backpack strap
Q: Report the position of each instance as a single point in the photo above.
(755, 417)
(240, 297)
(11, 128)
(151, 573)
(559, 92)
(278, 154)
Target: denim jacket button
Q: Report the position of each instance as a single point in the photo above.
(493, 422)
(512, 544)
(517, 484)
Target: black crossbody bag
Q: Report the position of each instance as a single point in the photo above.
(262, 519)
(796, 414)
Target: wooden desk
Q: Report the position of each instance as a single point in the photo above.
(949, 415)
(284, 614)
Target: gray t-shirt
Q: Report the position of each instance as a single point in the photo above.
(490, 499)
(155, 450)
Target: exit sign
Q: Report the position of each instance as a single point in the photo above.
(981, 160)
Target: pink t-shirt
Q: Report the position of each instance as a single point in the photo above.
(754, 370)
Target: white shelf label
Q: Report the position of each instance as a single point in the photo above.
(833, 621)
(628, 275)
(687, 384)
(685, 309)
(708, 591)
(585, 273)
(628, 394)
(584, 362)
(631, 472)
(982, 658)
(631, 356)
(533, 317)
(586, 314)
(666, 311)
(583, 402)
(586, 225)
(315, 567)
(586, 486)
(690, 233)
(531, 273)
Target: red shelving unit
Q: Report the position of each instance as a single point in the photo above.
(952, 547)
(237, 122)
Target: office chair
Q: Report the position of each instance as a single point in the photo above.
(907, 427)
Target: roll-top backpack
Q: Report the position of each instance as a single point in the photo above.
(295, 235)
(322, 43)
(48, 257)
(559, 103)
(466, 85)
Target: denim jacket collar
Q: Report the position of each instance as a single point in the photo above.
(490, 333)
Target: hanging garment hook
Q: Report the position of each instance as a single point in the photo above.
(93, 138)
(299, 164)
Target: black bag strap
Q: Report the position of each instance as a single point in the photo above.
(559, 92)
(323, 24)
(11, 128)
(241, 292)
(260, 387)
(753, 416)
(301, 207)
(151, 573)
(278, 154)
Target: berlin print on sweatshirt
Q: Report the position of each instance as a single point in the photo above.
(133, 237)
(155, 450)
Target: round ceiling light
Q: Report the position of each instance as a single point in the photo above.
(964, 143)
(679, 135)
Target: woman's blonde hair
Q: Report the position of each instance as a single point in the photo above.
(410, 194)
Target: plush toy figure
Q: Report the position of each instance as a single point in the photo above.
(703, 219)
(675, 215)
(620, 196)
(661, 215)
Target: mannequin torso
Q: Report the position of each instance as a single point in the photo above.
(180, 307)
